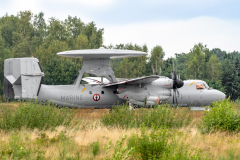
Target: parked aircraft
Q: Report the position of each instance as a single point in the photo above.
(23, 77)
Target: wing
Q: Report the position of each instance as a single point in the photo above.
(140, 80)
(97, 80)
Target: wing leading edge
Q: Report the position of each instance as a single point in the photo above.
(140, 80)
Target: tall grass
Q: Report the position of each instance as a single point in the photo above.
(16, 148)
(33, 115)
(159, 116)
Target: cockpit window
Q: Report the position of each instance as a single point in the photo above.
(199, 86)
(205, 85)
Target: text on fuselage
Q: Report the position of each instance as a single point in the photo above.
(71, 97)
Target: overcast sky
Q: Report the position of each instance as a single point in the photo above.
(176, 25)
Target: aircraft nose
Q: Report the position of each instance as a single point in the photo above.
(221, 95)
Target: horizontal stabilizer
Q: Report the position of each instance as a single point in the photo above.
(10, 78)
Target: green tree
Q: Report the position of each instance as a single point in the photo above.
(39, 31)
(23, 35)
(8, 28)
(214, 68)
(4, 54)
(56, 30)
(60, 72)
(196, 63)
(219, 53)
(157, 55)
(182, 63)
(129, 67)
(168, 67)
(74, 26)
(94, 35)
(230, 79)
(82, 42)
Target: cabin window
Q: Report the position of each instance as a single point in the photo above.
(90, 92)
(102, 92)
(199, 86)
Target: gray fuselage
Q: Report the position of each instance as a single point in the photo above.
(95, 96)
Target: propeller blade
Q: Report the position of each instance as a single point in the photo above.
(177, 92)
(177, 96)
(176, 101)
(173, 95)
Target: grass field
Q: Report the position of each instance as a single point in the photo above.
(87, 134)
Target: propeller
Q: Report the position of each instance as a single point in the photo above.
(177, 83)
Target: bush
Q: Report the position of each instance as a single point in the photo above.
(222, 116)
(33, 115)
(160, 144)
(159, 116)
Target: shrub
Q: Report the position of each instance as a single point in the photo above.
(33, 115)
(221, 116)
(159, 116)
(160, 144)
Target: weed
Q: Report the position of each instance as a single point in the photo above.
(95, 148)
(120, 152)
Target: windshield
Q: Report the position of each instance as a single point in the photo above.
(205, 85)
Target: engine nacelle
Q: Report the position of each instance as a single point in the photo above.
(163, 83)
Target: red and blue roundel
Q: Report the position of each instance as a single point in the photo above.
(96, 97)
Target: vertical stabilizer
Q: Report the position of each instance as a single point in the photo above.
(22, 78)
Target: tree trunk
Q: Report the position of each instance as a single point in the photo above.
(153, 69)
(156, 67)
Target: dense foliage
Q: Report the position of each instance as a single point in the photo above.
(26, 35)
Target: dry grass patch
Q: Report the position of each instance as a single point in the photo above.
(215, 144)
(76, 140)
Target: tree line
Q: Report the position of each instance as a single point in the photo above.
(27, 34)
